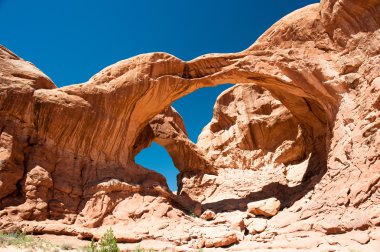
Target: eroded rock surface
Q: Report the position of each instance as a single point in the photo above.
(250, 129)
(302, 126)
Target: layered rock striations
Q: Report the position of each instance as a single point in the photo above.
(301, 126)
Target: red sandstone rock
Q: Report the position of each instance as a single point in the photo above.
(208, 215)
(302, 126)
(268, 207)
(256, 225)
(249, 129)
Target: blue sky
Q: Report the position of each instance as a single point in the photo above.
(72, 40)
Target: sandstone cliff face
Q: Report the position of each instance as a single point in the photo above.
(249, 125)
(19, 79)
(253, 136)
(302, 126)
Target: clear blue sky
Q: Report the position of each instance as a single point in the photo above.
(72, 40)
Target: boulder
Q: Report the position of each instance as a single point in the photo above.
(256, 225)
(268, 207)
(208, 215)
(221, 241)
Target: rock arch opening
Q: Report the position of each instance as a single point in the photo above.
(310, 107)
(195, 110)
(155, 157)
(275, 154)
(251, 130)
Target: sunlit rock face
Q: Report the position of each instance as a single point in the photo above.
(301, 128)
(251, 128)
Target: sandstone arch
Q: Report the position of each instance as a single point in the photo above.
(320, 62)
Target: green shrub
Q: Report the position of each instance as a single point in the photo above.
(92, 247)
(107, 243)
(21, 240)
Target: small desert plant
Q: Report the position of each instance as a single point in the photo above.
(92, 247)
(21, 240)
(107, 243)
(14, 239)
(192, 214)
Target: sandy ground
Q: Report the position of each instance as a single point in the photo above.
(74, 242)
(79, 245)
